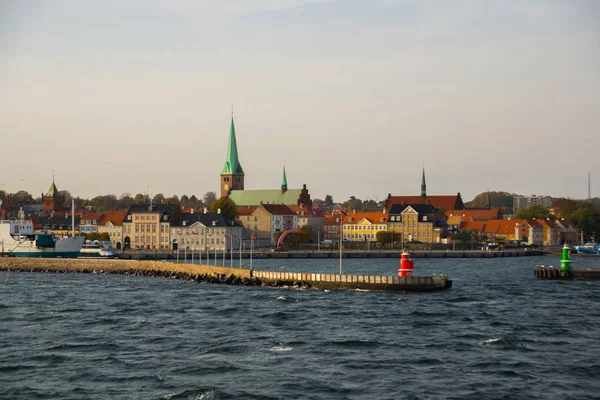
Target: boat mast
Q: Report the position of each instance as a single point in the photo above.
(73, 217)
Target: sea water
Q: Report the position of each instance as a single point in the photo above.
(498, 333)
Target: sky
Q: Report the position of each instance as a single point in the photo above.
(354, 97)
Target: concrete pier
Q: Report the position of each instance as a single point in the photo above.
(233, 276)
(542, 272)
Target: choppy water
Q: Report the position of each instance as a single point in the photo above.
(499, 333)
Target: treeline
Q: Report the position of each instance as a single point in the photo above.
(111, 202)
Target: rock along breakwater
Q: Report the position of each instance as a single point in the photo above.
(224, 275)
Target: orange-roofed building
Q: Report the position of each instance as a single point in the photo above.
(363, 226)
(111, 222)
(524, 230)
(551, 232)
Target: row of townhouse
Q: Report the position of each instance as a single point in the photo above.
(539, 232)
(156, 227)
(406, 222)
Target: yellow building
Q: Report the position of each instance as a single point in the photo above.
(146, 227)
(363, 226)
(111, 222)
(414, 222)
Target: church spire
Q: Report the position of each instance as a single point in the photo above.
(423, 185)
(232, 161)
(284, 181)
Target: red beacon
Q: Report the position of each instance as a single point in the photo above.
(406, 266)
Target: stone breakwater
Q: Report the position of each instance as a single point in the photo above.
(224, 275)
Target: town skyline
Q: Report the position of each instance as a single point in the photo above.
(352, 98)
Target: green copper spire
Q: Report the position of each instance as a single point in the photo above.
(232, 162)
(284, 182)
(423, 185)
(53, 191)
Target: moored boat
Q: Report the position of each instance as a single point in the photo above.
(97, 249)
(18, 239)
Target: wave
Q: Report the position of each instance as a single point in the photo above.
(198, 394)
(281, 348)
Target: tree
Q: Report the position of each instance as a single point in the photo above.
(158, 198)
(354, 204)
(67, 197)
(227, 207)
(209, 198)
(104, 236)
(193, 199)
(384, 237)
(172, 200)
(22, 197)
(499, 199)
(534, 211)
(329, 200)
(125, 201)
(294, 239)
(587, 220)
(563, 208)
(139, 198)
(92, 236)
(184, 200)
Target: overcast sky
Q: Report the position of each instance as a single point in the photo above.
(353, 96)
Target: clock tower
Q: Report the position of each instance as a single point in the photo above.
(232, 174)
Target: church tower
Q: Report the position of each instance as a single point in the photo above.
(53, 201)
(423, 186)
(232, 174)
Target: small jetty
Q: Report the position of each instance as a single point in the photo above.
(565, 271)
(405, 281)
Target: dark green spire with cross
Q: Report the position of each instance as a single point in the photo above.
(284, 182)
(423, 186)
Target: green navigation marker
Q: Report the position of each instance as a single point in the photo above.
(565, 260)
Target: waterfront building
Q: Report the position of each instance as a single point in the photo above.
(147, 226)
(266, 220)
(524, 231)
(313, 219)
(522, 202)
(416, 223)
(568, 231)
(111, 222)
(331, 228)
(205, 231)
(550, 232)
(363, 226)
(56, 223)
(88, 222)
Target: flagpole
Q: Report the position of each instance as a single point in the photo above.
(241, 249)
(251, 248)
(231, 249)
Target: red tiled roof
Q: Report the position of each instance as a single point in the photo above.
(245, 210)
(372, 217)
(115, 218)
(278, 209)
(453, 202)
(472, 225)
(548, 222)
